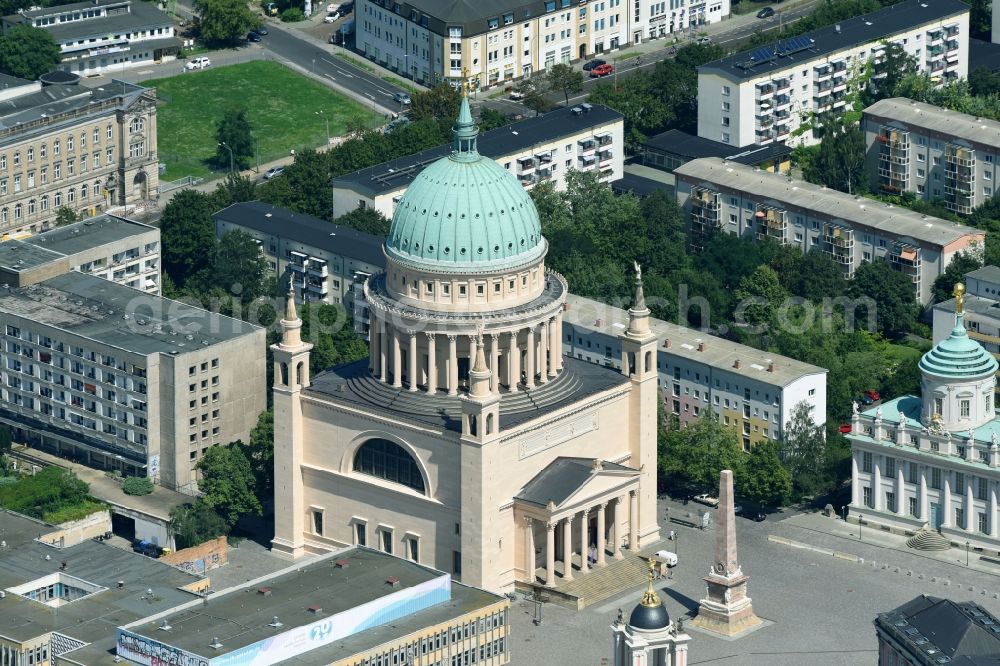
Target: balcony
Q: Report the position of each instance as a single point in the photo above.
(586, 162)
(782, 84)
(587, 145)
(318, 268)
(960, 156)
(781, 101)
(605, 139)
(765, 91)
(604, 156)
(705, 216)
(821, 73)
(525, 165)
(771, 223)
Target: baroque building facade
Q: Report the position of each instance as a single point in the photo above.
(932, 460)
(467, 440)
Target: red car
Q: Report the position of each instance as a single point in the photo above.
(845, 428)
(873, 394)
(601, 70)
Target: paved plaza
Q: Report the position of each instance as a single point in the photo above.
(822, 607)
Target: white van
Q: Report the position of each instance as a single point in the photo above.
(200, 62)
(668, 558)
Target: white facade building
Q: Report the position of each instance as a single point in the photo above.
(588, 137)
(433, 40)
(726, 197)
(933, 459)
(766, 94)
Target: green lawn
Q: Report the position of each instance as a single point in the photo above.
(283, 108)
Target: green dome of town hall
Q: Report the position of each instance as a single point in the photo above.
(958, 356)
(465, 213)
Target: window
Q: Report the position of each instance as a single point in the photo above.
(938, 405)
(964, 408)
(959, 488)
(867, 497)
(137, 125)
(725, 91)
(890, 467)
(982, 488)
(386, 540)
(936, 478)
(317, 516)
(360, 534)
(387, 460)
(866, 461)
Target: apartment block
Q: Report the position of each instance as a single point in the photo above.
(103, 35)
(982, 310)
(324, 261)
(933, 152)
(767, 94)
(125, 380)
(747, 389)
(108, 247)
(63, 145)
(587, 137)
(726, 197)
(434, 40)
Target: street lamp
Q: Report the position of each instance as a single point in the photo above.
(327, 119)
(843, 512)
(223, 144)
(860, 520)
(966, 553)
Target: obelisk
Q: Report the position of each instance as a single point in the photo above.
(726, 608)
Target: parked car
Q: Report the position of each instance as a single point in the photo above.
(601, 70)
(198, 63)
(706, 499)
(704, 41)
(873, 394)
(402, 98)
(767, 12)
(331, 17)
(253, 37)
(597, 62)
(844, 428)
(670, 559)
(347, 8)
(865, 399)
(274, 172)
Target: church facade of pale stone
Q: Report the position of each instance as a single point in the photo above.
(467, 441)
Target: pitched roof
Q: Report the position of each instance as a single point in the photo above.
(563, 477)
(906, 113)
(930, 628)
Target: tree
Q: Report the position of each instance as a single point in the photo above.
(6, 441)
(228, 483)
(260, 452)
(439, 104)
(188, 234)
(984, 81)
(760, 294)
(764, 481)
(237, 266)
(224, 21)
(491, 119)
(49, 490)
(137, 485)
(818, 277)
(331, 332)
(981, 19)
(696, 454)
(896, 308)
(193, 524)
(896, 65)
(564, 79)
(840, 161)
(233, 130)
(28, 52)
(531, 98)
(66, 215)
(961, 263)
(803, 451)
(367, 220)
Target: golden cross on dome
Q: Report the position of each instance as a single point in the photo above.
(465, 82)
(959, 295)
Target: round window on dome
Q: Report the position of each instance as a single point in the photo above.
(416, 246)
(447, 249)
(522, 242)
(496, 248)
(480, 251)
(430, 248)
(462, 251)
(510, 246)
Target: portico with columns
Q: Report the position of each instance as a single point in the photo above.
(442, 446)
(576, 515)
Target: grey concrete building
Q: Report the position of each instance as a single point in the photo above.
(930, 151)
(325, 261)
(126, 380)
(103, 35)
(109, 247)
(727, 197)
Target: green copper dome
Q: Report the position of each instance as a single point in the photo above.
(958, 356)
(465, 213)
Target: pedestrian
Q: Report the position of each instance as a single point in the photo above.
(672, 534)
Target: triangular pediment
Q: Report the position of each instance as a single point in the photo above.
(566, 482)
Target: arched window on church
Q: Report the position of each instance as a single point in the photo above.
(284, 374)
(387, 460)
(299, 372)
(648, 367)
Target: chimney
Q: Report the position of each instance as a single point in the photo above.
(771, 366)
(342, 564)
(392, 581)
(599, 323)
(701, 346)
(315, 609)
(565, 307)
(264, 591)
(666, 343)
(737, 364)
